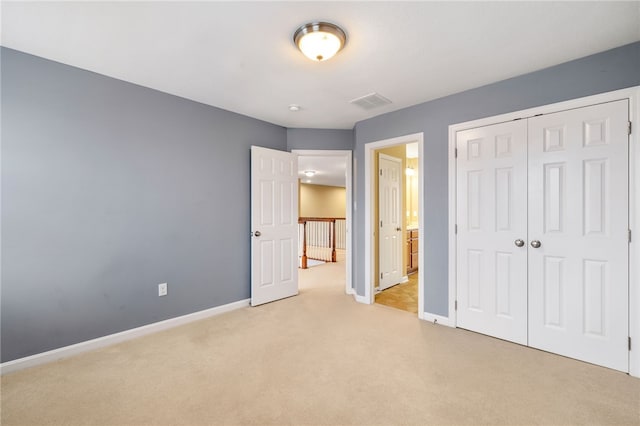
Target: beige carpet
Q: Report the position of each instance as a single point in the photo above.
(318, 358)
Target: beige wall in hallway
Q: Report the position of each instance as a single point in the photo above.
(411, 194)
(322, 201)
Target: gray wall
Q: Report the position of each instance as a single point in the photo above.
(603, 72)
(108, 189)
(319, 139)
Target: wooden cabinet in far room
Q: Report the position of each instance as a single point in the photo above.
(412, 250)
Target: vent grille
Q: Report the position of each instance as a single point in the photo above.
(370, 101)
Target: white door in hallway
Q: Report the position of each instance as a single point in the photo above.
(492, 230)
(390, 220)
(274, 225)
(578, 232)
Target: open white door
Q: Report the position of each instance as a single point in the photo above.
(274, 225)
(390, 212)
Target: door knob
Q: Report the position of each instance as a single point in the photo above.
(398, 229)
(535, 244)
(519, 242)
(257, 233)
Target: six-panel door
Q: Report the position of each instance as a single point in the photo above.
(390, 212)
(492, 217)
(274, 225)
(578, 211)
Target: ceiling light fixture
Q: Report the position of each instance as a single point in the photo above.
(319, 41)
(294, 107)
(309, 173)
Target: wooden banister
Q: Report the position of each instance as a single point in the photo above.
(331, 242)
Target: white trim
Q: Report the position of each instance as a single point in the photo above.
(438, 319)
(634, 225)
(633, 94)
(369, 161)
(361, 299)
(453, 249)
(111, 339)
(347, 154)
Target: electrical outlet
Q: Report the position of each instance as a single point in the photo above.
(162, 289)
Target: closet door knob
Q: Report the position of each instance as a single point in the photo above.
(257, 233)
(535, 244)
(519, 242)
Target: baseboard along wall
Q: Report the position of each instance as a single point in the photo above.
(101, 342)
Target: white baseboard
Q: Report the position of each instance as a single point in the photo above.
(437, 319)
(404, 279)
(100, 342)
(351, 291)
(362, 299)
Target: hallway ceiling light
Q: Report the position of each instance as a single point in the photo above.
(320, 41)
(309, 173)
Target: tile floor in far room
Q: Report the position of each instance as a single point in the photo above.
(401, 296)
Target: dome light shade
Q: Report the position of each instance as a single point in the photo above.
(319, 41)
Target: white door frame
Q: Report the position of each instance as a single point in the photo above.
(369, 161)
(347, 155)
(633, 94)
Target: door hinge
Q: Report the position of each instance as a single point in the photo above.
(629, 127)
(380, 224)
(629, 235)
(455, 305)
(380, 275)
(629, 342)
(380, 172)
(455, 152)
(456, 227)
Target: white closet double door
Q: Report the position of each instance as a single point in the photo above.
(542, 243)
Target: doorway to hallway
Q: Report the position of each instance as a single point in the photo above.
(325, 194)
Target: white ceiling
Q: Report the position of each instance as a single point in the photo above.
(239, 55)
(330, 170)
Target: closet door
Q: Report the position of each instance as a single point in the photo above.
(492, 226)
(578, 233)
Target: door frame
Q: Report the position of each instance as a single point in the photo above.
(369, 188)
(347, 155)
(633, 95)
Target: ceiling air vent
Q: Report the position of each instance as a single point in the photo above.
(370, 101)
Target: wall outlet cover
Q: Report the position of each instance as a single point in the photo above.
(162, 289)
